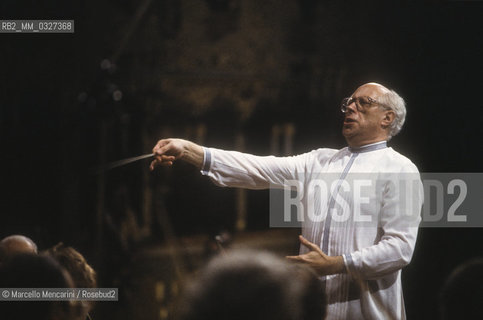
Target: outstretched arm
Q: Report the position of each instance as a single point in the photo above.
(166, 151)
(231, 168)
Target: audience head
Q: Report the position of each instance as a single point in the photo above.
(462, 293)
(15, 244)
(83, 275)
(34, 271)
(253, 285)
(74, 262)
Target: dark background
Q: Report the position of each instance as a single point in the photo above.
(223, 73)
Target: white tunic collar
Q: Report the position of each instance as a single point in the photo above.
(369, 147)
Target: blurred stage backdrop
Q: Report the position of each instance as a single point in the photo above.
(265, 77)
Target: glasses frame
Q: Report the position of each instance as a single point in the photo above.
(349, 100)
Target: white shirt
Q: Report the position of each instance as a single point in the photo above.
(374, 252)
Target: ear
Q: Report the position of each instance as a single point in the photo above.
(387, 119)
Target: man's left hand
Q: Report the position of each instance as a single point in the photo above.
(319, 261)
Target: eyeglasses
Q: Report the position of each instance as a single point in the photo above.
(362, 103)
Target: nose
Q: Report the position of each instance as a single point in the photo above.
(351, 108)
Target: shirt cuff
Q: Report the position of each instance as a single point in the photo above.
(349, 264)
(205, 168)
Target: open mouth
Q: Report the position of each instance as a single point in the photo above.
(349, 120)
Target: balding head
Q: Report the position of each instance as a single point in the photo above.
(391, 99)
(15, 244)
(372, 89)
(378, 120)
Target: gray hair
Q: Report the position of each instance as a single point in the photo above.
(394, 101)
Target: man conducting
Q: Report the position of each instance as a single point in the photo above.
(359, 257)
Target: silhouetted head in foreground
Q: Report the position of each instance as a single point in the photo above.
(34, 271)
(462, 293)
(254, 285)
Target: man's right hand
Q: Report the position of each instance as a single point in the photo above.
(166, 151)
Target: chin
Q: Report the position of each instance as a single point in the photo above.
(347, 132)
